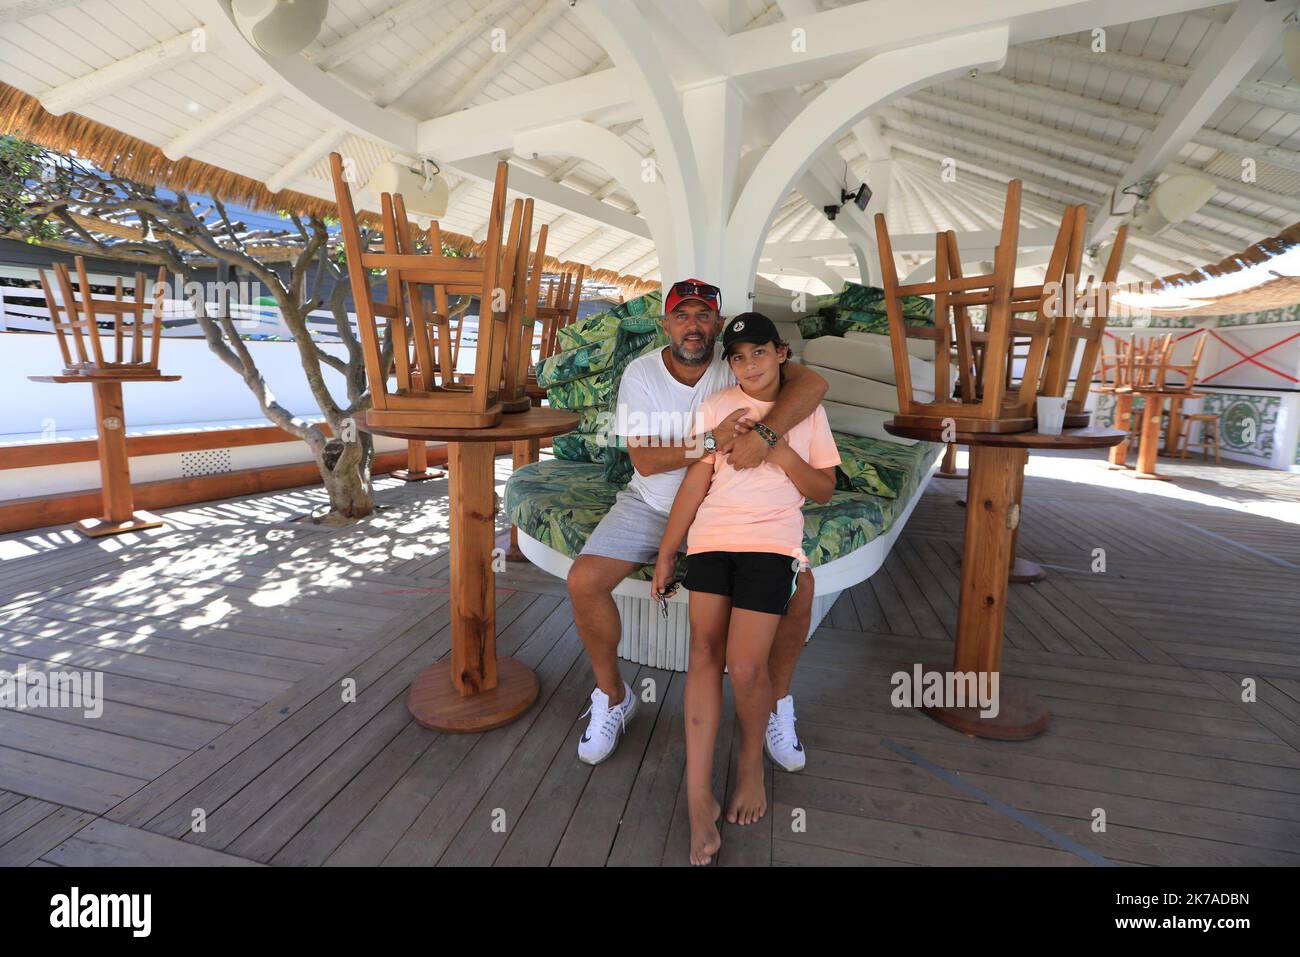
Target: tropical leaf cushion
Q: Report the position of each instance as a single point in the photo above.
(876, 466)
(649, 304)
(858, 308)
(593, 328)
(579, 447)
(575, 363)
(589, 392)
(559, 503)
(636, 336)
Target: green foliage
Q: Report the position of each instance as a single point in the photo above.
(20, 163)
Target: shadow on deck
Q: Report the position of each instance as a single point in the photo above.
(227, 639)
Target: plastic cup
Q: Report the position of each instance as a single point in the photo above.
(1051, 414)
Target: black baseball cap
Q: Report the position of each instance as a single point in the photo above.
(749, 327)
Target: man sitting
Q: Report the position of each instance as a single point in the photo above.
(658, 398)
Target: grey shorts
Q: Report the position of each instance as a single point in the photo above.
(631, 531)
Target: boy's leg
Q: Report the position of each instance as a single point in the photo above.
(703, 711)
(749, 643)
(791, 636)
(592, 580)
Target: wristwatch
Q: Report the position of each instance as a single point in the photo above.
(710, 443)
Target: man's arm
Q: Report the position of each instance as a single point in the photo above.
(650, 456)
(801, 394)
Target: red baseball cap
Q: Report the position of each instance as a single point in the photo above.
(698, 289)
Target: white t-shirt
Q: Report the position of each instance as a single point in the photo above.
(653, 403)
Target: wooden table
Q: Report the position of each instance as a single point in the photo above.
(997, 471)
(473, 690)
(1149, 446)
(114, 465)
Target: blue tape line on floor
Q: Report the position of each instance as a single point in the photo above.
(1245, 548)
(1060, 840)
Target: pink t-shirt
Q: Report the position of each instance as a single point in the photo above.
(756, 510)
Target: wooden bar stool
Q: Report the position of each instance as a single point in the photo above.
(136, 332)
(415, 400)
(1174, 434)
(137, 323)
(1209, 435)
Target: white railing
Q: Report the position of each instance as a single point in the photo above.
(24, 310)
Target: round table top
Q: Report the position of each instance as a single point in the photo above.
(102, 377)
(537, 423)
(1093, 437)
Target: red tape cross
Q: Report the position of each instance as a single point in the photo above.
(1251, 358)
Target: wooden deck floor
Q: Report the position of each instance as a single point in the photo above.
(226, 641)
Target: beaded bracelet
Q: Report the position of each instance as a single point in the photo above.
(766, 434)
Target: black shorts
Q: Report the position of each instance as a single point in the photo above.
(756, 581)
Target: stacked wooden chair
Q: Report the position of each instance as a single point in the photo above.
(559, 307)
(137, 323)
(987, 397)
(424, 392)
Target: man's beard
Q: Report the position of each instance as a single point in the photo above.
(691, 358)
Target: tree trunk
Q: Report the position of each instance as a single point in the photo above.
(345, 470)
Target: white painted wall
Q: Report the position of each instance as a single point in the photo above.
(209, 390)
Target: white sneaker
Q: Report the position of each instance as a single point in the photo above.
(601, 737)
(781, 743)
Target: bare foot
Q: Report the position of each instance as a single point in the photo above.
(749, 802)
(705, 839)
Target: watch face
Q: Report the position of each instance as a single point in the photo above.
(710, 443)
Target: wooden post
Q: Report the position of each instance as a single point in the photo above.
(1149, 443)
(991, 513)
(114, 466)
(523, 452)
(473, 582)
(417, 464)
(1117, 457)
(1023, 571)
(948, 467)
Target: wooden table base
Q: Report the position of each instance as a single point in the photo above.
(435, 703)
(117, 499)
(948, 467)
(996, 484)
(1025, 572)
(472, 690)
(417, 464)
(1021, 715)
(100, 527)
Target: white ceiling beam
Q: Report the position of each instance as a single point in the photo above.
(543, 190)
(376, 30)
(323, 95)
(906, 243)
(622, 247)
(636, 267)
(1233, 52)
(694, 33)
(834, 41)
(1173, 74)
(934, 132)
(492, 126)
(75, 93)
(308, 157)
(219, 122)
(428, 61)
(828, 275)
(993, 193)
(515, 43)
(1051, 207)
(995, 120)
(11, 11)
(576, 249)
